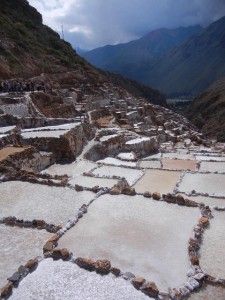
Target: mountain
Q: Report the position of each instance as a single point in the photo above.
(149, 47)
(28, 49)
(208, 110)
(191, 67)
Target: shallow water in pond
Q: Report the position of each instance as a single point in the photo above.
(35, 201)
(18, 245)
(137, 235)
(176, 155)
(157, 181)
(179, 164)
(213, 184)
(212, 258)
(57, 280)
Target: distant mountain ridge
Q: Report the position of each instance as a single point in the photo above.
(149, 47)
(185, 69)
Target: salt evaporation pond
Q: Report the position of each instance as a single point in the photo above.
(131, 175)
(210, 158)
(212, 258)
(18, 245)
(150, 164)
(209, 292)
(43, 134)
(179, 164)
(137, 235)
(116, 162)
(35, 201)
(157, 181)
(90, 182)
(177, 155)
(6, 128)
(207, 166)
(153, 156)
(72, 170)
(64, 280)
(212, 184)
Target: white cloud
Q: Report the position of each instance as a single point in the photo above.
(93, 23)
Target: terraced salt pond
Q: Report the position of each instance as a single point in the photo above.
(210, 201)
(35, 201)
(213, 184)
(90, 182)
(131, 175)
(63, 280)
(150, 164)
(157, 181)
(207, 166)
(137, 235)
(212, 258)
(179, 164)
(72, 170)
(18, 245)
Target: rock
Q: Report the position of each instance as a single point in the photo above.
(194, 283)
(15, 277)
(10, 220)
(40, 223)
(199, 276)
(54, 239)
(22, 270)
(180, 200)
(156, 196)
(150, 289)
(175, 294)
(78, 188)
(115, 190)
(184, 291)
(138, 282)
(7, 290)
(204, 221)
(102, 266)
(63, 253)
(194, 260)
(31, 263)
(129, 191)
(95, 189)
(147, 195)
(48, 247)
(115, 271)
(128, 275)
(85, 263)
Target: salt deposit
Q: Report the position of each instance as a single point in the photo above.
(150, 164)
(116, 162)
(63, 280)
(179, 164)
(35, 201)
(18, 245)
(90, 182)
(137, 235)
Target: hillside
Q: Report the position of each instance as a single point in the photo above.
(208, 110)
(28, 49)
(149, 47)
(189, 68)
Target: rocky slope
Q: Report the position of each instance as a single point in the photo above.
(208, 110)
(28, 48)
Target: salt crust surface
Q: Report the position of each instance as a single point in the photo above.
(57, 280)
(18, 245)
(209, 292)
(138, 140)
(44, 134)
(212, 258)
(90, 182)
(138, 235)
(116, 162)
(213, 184)
(126, 156)
(131, 175)
(212, 166)
(35, 201)
(150, 164)
(6, 128)
(72, 170)
(56, 127)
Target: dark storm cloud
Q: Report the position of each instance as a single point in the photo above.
(93, 23)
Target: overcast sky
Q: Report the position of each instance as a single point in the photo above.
(88, 24)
